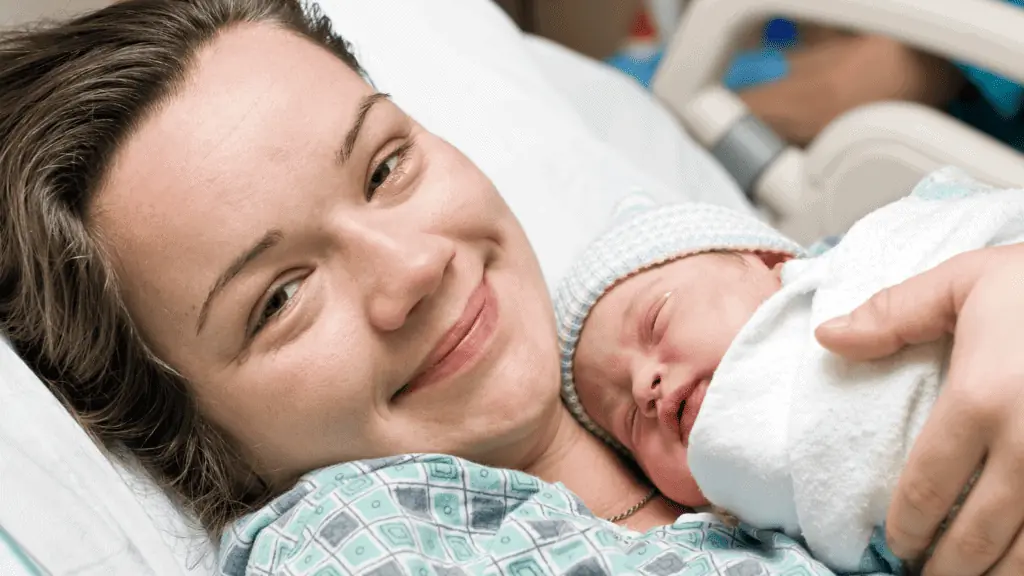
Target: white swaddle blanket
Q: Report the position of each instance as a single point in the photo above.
(793, 437)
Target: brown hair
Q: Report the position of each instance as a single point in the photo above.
(70, 94)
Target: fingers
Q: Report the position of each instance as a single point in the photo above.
(920, 309)
(941, 463)
(985, 527)
(979, 414)
(983, 399)
(1012, 564)
(943, 458)
(993, 514)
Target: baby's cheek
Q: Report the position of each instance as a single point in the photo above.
(666, 468)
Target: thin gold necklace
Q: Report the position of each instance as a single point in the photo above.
(635, 508)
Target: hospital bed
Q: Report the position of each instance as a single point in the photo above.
(559, 135)
(869, 156)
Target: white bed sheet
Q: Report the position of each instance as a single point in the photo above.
(564, 139)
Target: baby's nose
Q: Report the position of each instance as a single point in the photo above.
(647, 393)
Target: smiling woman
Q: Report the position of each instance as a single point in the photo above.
(304, 275)
(361, 281)
(245, 264)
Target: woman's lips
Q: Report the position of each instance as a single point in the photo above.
(463, 344)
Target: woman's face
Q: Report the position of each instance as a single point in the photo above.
(332, 280)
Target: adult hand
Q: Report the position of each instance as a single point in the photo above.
(978, 420)
(837, 72)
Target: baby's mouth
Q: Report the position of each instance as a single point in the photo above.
(675, 420)
(679, 410)
(690, 408)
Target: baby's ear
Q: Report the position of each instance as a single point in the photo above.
(774, 260)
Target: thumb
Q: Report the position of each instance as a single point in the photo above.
(921, 309)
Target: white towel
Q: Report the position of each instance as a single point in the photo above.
(793, 437)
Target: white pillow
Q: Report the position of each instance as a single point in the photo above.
(563, 138)
(625, 116)
(60, 498)
(466, 72)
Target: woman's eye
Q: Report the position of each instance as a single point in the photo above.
(381, 174)
(277, 302)
(388, 168)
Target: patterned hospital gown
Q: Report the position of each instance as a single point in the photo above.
(433, 515)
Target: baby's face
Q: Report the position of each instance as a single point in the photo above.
(650, 347)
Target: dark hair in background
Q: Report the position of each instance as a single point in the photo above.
(71, 93)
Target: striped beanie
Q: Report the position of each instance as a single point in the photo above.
(647, 236)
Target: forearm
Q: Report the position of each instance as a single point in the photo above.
(838, 73)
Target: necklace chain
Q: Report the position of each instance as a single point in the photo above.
(635, 508)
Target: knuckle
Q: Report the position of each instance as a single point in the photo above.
(976, 546)
(903, 542)
(924, 499)
(880, 306)
(980, 406)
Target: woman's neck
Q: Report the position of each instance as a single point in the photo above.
(598, 475)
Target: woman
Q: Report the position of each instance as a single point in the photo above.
(224, 250)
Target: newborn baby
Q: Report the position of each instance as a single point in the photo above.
(688, 343)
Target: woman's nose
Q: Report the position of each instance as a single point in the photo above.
(404, 269)
(647, 391)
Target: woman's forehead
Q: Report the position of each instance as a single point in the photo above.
(255, 96)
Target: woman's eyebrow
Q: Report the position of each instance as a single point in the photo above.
(365, 105)
(268, 241)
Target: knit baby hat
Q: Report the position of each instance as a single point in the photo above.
(647, 237)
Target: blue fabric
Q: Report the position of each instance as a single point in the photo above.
(767, 64)
(756, 67)
(641, 68)
(880, 558)
(435, 515)
(1003, 95)
(997, 109)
